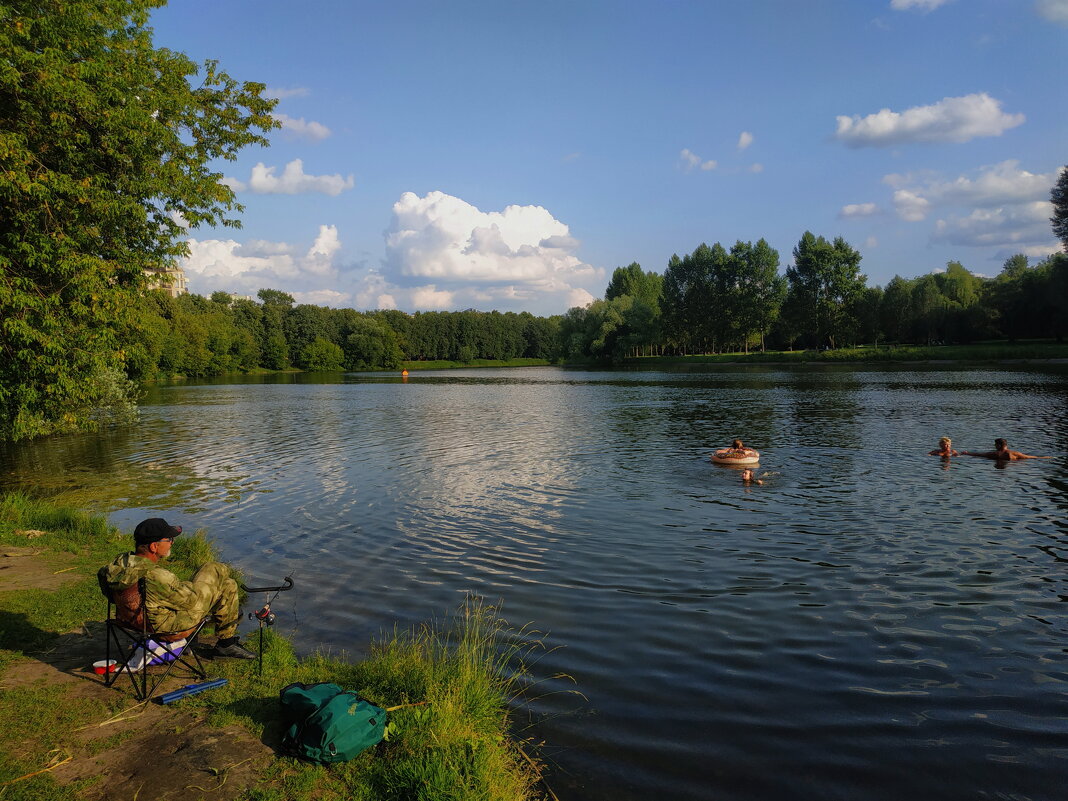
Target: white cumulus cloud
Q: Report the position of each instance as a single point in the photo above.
(911, 206)
(430, 297)
(952, 119)
(440, 253)
(303, 129)
(292, 181)
(690, 160)
(1053, 10)
(245, 268)
(858, 210)
(745, 139)
(1023, 224)
(995, 185)
(442, 238)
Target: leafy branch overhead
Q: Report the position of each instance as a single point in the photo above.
(106, 152)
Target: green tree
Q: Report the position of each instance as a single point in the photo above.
(371, 344)
(895, 309)
(758, 292)
(869, 319)
(322, 354)
(824, 283)
(106, 144)
(1059, 196)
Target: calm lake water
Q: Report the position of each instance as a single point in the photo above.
(871, 623)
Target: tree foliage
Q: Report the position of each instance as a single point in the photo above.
(1059, 197)
(824, 284)
(106, 147)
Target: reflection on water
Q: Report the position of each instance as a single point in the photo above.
(870, 623)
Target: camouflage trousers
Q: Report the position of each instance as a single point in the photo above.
(216, 595)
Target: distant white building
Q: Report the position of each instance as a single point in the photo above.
(171, 280)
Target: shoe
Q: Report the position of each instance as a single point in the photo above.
(234, 651)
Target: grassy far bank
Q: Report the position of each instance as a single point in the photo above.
(979, 352)
(456, 746)
(442, 364)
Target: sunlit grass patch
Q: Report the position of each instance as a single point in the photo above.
(453, 681)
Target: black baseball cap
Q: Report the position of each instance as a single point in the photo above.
(155, 529)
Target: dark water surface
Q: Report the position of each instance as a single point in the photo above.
(871, 623)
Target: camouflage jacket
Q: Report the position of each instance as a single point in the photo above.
(171, 604)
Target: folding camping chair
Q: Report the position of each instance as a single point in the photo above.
(127, 625)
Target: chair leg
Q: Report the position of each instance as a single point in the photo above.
(138, 644)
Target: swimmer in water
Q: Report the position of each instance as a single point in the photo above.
(945, 448)
(1002, 453)
(748, 477)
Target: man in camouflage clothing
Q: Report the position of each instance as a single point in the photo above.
(173, 604)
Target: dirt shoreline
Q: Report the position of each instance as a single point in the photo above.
(159, 752)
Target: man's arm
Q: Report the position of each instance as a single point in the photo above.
(169, 591)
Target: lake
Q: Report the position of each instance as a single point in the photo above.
(871, 623)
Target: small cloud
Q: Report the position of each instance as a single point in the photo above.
(995, 185)
(910, 206)
(1023, 224)
(233, 183)
(301, 128)
(293, 181)
(281, 93)
(756, 167)
(579, 297)
(689, 160)
(1035, 253)
(745, 139)
(952, 119)
(1053, 10)
(871, 242)
(858, 210)
(323, 297)
(430, 297)
(571, 157)
(926, 6)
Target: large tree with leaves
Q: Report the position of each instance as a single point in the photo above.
(1059, 196)
(106, 152)
(824, 285)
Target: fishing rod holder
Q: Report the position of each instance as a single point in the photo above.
(264, 614)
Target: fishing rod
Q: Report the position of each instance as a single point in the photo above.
(264, 614)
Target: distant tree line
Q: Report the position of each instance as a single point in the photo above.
(196, 336)
(720, 300)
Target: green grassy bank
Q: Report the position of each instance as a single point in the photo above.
(441, 364)
(456, 746)
(981, 353)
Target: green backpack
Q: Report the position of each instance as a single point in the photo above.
(327, 723)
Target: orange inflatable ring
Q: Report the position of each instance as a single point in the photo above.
(745, 456)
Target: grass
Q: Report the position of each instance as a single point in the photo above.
(979, 352)
(456, 745)
(444, 364)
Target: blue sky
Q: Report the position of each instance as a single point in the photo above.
(510, 155)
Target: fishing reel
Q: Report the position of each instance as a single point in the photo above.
(264, 615)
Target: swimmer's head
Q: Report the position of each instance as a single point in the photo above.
(747, 475)
(737, 444)
(999, 443)
(945, 441)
